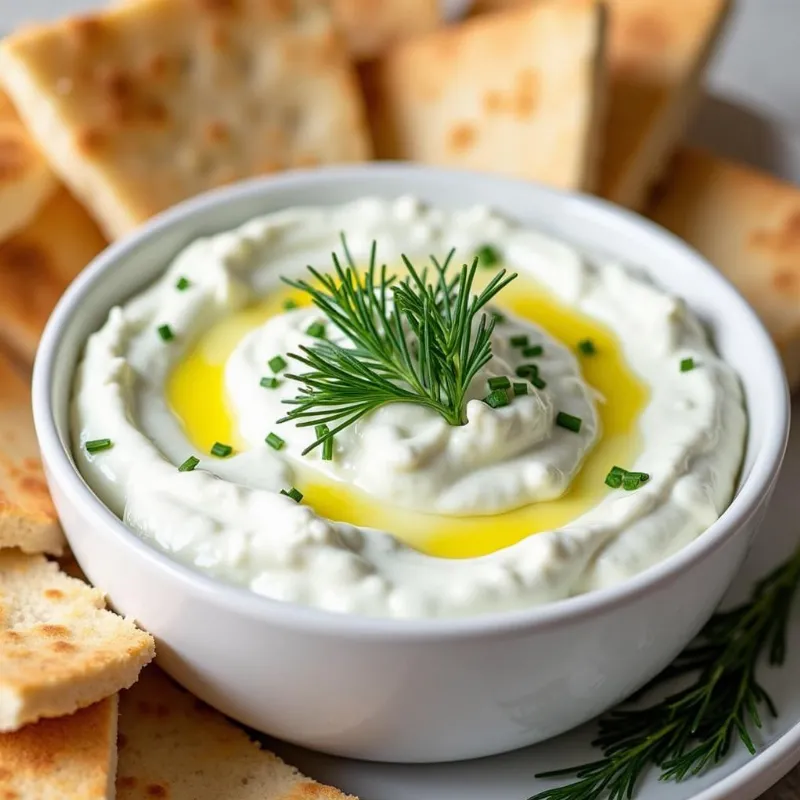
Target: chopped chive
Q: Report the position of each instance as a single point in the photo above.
(221, 450)
(629, 481)
(316, 329)
(525, 370)
(568, 421)
(687, 364)
(165, 332)
(586, 347)
(293, 493)
(500, 382)
(520, 388)
(98, 445)
(327, 445)
(277, 363)
(183, 284)
(497, 399)
(498, 317)
(519, 341)
(189, 464)
(269, 383)
(275, 441)
(289, 305)
(614, 477)
(533, 351)
(488, 255)
(537, 382)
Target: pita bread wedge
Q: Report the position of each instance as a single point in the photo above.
(37, 264)
(147, 103)
(747, 224)
(25, 179)
(68, 758)
(371, 26)
(27, 517)
(60, 650)
(516, 93)
(172, 745)
(657, 52)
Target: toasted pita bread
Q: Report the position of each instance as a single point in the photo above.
(371, 26)
(60, 650)
(150, 102)
(69, 758)
(172, 745)
(748, 225)
(37, 264)
(517, 93)
(657, 53)
(25, 179)
(27, 517)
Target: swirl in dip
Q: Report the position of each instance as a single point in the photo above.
(410, 516)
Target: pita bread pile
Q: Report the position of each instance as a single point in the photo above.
(108, 119)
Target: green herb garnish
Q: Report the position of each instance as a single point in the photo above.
(622, 478)
(531, 372)
(269, 383)
(687, 364)
(98, 445)
(416, 340)
(322, 432)
(498, 317)
(183, 284)
(520, 388)
(586, 347)
(316, 329)
(277, 364)
(501, 382)
(487, 255)
(571, 423)
(497, 399)
(166, 333)
(274, 441)
(221, 450)
(519, 341)
(289, 305)
(189, 464)
(533, 351)
(693, 728)
(294, 494)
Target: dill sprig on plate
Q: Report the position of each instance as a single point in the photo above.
(408, 341)
(694, 728)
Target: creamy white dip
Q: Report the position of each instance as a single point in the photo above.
(228, 517)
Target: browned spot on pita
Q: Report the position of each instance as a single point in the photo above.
(91, 140)
(14, 156)
(217, 132)
(53, 594)
(64, 647)
(157, 790)
(526, 94)
(125, 781)
(461, 137)
(54, 630)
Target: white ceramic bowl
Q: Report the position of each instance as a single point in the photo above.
(424, 690)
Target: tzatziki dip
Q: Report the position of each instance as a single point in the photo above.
(390, 409)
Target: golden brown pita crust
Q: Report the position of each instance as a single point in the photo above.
(747, 224)
(173, 746)
(25, 179)
(657, 53)
(37, 264)
(60, 650)
(369, 27)
(515, 93)
(152, 101)
(68, 758)
(27, 517)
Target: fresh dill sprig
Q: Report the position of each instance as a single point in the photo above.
(694, 728)
(409, 341)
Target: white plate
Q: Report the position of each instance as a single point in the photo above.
(511, 776)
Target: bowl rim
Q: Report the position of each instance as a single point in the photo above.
(752, 493)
